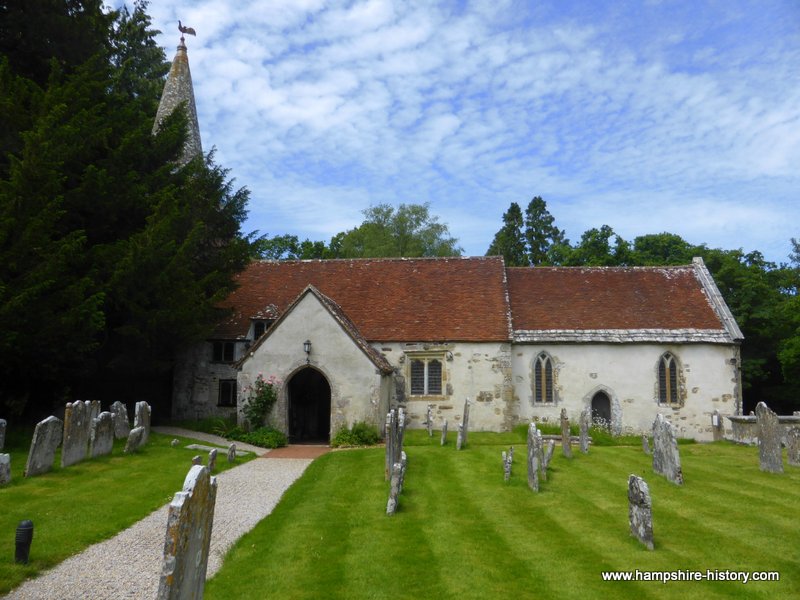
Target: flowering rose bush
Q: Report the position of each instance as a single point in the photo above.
(263, 395)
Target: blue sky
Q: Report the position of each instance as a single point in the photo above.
(648, 116)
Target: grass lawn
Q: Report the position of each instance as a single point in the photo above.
(462, 532)
(86, 503)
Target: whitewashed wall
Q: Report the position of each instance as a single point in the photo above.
(628, 373)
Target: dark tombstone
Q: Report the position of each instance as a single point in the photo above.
(640, 511)
(585, 420)
(566, 441)
(2, 433)
(46, 439)
(5, 469)
(77, 430)
(666, 459)
(188, 538)
(770, 453)
(793, 446)
(101, 438)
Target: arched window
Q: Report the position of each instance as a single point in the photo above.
(668, 380)
(543, 379)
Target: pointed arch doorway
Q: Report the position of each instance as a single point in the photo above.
(601, 409)
(309, 398)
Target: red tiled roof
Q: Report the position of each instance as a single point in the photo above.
(389, 299)
(578, 298)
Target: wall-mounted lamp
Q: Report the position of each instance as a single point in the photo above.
(307, 350)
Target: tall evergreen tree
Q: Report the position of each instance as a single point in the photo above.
(509, 242)
(541, 234)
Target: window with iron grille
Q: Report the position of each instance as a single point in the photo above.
(543, 379)
(668, 380)
(426, 376)
(227, 392)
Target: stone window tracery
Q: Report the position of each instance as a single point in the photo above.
(668, 390)
(543, 379)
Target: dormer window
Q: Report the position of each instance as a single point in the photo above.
(260, 326)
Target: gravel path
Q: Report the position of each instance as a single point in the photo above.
(129, 565)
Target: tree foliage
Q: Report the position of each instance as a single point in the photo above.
(110, 256)
(532, 240)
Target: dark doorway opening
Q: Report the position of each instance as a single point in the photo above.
(309, 407)
(601, 409)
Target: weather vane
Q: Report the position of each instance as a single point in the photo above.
(189, 30)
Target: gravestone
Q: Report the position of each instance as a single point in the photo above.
(212, 460)
(395, 433)
(465, 424)
(394, 490)
(430, 420)
(770, 453)
(666, 459)
(101, 439)
(122, 425)
(46, 439)
(460, 436)
(2, 433)
(566, 441)
(142, 419)
(77, 430)
(444, 432)
(186, 546)
(389, 437)
(534, 451)
(197, 460)
(507, 459)
(175, 443)
(640, 511)
(95, 408)
(5, 469)
(793, 446)
(646, 444)
(585, 420)
(548, 453)
(232, 453)
(135, 440)
(541, 446)
(403, 465)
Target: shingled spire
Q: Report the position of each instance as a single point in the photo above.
(177, 90)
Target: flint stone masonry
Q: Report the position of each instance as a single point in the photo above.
(135, 440)
(5, 469)
(793, 446)
(566, 448)
(770, 453)
(101, 439)
(46, 439)
(122, 425)
(640, 510)
(585, 420)
(77, 430)
(666, 459)
(142, 419)
(2, 433)
(191, 514)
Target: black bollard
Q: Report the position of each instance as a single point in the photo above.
(24, 539)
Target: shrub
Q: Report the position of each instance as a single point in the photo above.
(263, 395)
(264, 437)
(360, 434)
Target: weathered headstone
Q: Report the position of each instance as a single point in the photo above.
(188, 538)
(391, 420)
(533, 457)
(548, 453)
(232, 453)
(197, 460)
(640, 511)
(5, 469)
(770, 453)
(566, 441)
(46, 439)
(77, 429)
(122, 425)
(394, 491)
(142, 419)
(212, 460)
(465, 424)
(460, 436)
(403, 466)
(444, 432)
(507, 460)
(135, 440)
(646, 444)
(793, 446)
(175, 443)
(666, 459)
(429, 421)
(95, 408)
(2, 433)
(540, 445)
(101, 439)
(585, 420)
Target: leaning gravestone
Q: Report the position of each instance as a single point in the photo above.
(46, 439)
(5, 469)
(770, 453)
(142, 419)
(666, 459)
(135, 440)
(191, 515)
(793, 446)
(646, 444)
(640, 511)
(584, 425)
(77, 429)
(212, 460)
(2, 433)
(444, 432)
(101, 440)
(548, 453)
(534, 452)
(232, 453)
(122, 425)
(566, 441)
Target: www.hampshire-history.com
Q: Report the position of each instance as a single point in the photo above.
(687, 575)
